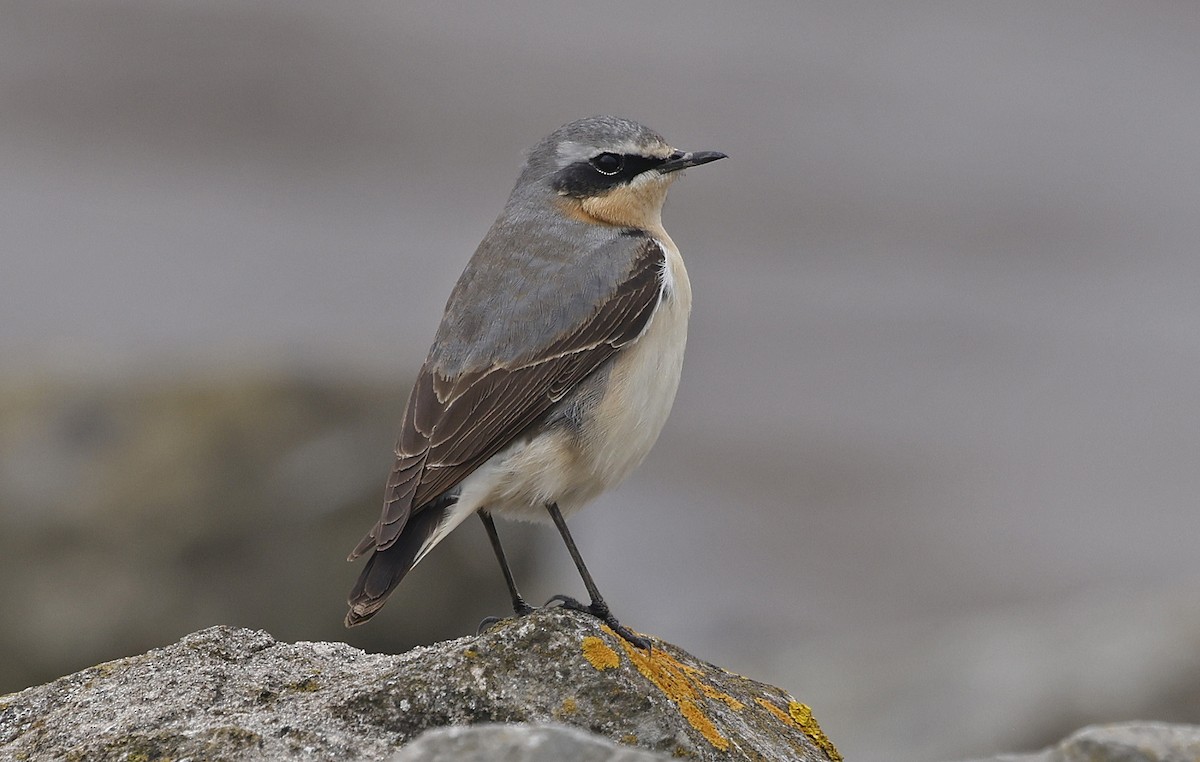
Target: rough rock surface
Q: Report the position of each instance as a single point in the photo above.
(1125, 742)
(225, 693)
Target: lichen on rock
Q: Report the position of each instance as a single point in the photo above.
(239, 694)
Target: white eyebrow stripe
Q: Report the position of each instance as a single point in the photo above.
(571, 151)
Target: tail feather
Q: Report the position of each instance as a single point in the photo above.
(365, 544)
(385, 568)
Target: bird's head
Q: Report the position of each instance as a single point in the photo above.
(607, 170)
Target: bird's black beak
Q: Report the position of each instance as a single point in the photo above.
(684, 159)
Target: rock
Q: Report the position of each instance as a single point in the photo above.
(518, 741)
(226, 693)
(1125, 742)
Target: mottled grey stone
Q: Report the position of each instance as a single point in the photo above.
(1125, 742)
(235, 694)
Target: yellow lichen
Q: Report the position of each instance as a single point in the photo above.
(713, 693)
(599, 655)
(782, 715)
(699, 720)
(629, 739)
(569, 706)
(471, 653)
(680, 683)
(684, 685)
(803, 717)
(800, 716)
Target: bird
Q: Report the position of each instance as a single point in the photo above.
(556, 362)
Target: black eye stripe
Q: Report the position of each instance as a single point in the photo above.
(635, 165)
(583, 178)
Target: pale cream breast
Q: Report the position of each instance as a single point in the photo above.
(641, 387)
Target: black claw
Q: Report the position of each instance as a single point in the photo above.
(637, 641)
(520, 609)
(601, 612)
(568, 603)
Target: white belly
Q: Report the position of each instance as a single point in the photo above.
(641, 386)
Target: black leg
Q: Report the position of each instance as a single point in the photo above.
(598, 608)
(520, 607)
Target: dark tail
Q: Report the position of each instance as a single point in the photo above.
(385, 568)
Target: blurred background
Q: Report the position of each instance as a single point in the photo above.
(935, 459)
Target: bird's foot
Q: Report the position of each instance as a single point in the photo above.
(567, 602)
(520, 609)
(599, 609)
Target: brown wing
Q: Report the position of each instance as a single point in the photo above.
(453, 425)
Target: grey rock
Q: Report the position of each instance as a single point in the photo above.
(520, 742)
(1124, 742)
(226, 693)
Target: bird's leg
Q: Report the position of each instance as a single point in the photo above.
(597, 608)
(520, 607)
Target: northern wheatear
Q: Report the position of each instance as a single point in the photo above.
(556, 362)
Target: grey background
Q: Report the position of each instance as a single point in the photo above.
(935, 459)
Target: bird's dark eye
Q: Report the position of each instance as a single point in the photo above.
(608, 163)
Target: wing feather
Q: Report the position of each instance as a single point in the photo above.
(452, 425)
